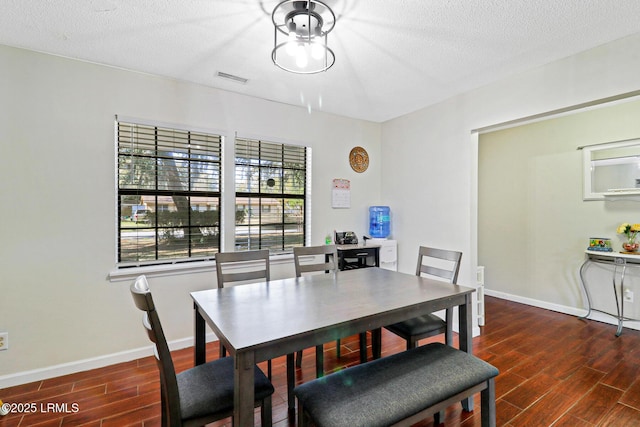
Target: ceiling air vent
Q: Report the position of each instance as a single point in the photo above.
(232, 77)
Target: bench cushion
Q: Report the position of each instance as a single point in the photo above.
(388, 390)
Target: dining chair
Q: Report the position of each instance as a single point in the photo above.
(199, 395)
(246, 266)
(242, 266)
(444, 265)
(329, 264)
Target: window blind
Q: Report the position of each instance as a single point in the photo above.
(270, 183)
(169, 184)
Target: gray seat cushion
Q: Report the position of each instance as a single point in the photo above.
(388, 390)
(199, 399)
(418, 325)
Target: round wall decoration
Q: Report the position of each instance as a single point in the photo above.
(359, 159)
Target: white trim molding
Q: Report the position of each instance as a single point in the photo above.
(208, 266)
(91, 363)
(573, 311)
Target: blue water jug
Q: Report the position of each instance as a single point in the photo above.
(379, 221)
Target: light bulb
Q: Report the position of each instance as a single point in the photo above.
(317, 51)
(292, 41)
(301, 56)
(291, 48)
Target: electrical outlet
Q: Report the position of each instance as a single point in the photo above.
(4, 340)
(628, 295)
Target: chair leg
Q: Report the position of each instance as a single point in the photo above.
(488, 404)
(223, 351)
(412, 342)
(448, 334)
(266, 417)
(269, 369)
(299, 359)
(319, 361)
(338, 348)
(376, 343)
(302, 418)
(363, 347)
(164, 408)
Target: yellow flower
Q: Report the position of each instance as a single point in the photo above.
(623, 228)
(629, 230)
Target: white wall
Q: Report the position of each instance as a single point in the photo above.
(533, 224)
(57, 178)
(429, 177)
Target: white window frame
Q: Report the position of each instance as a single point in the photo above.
(227, 203)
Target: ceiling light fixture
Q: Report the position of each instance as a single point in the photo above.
(301, 29)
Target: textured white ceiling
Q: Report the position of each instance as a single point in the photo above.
(392, 57)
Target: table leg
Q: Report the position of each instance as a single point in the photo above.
(291, 377)
(199, 338)
(243, 393)
(619, 298)
(619, 268)
(583, 267)
(465, 337)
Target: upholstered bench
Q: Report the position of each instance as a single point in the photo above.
(400, 389)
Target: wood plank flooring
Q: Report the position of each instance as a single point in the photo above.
(554, 370)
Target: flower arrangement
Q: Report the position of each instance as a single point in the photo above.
(631, 231)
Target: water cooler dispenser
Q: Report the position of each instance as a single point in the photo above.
(379, 222)
(379, 230)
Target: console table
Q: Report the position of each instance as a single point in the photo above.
(620, 262)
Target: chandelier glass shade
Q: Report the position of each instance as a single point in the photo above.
(300, 41)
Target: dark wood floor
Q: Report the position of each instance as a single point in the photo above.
(554, 370)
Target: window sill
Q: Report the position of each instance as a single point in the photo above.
(129, 274)
(622, 194)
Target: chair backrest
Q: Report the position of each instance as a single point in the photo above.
(329, 261)
(439, 263)
(242, 266)
(168, 382)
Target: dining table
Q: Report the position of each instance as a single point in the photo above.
(260, 321)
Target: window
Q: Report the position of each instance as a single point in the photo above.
(611, 170)
(168, 194)
(270, 180)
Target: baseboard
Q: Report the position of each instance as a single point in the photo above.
(91, 363)
(573, 311)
